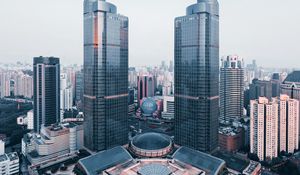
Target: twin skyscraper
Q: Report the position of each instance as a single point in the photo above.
(106, 76)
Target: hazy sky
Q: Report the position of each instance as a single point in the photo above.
(265, 30)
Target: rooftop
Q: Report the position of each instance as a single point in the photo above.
(151, 141)
(293, 77)
(118, 161)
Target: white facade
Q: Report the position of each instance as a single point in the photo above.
(30, 120)
(9, 164)
(53, 141)
(264, 113)
(66, 94)
(169, 107)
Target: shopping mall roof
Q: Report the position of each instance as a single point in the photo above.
(211, 165)
(99, 162)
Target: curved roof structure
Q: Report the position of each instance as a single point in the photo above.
(151, 141)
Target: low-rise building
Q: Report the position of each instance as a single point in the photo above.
(231, 139)
(53, 141)
(150, 154)
(9, 163)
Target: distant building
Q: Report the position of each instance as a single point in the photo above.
(155, 154)
(274, 126)
(231, 139)
(131, 103)
(276, 82)
(46, 72)
(146, 86)
(4, 84)
(169, 108)
(197, 76)
(66, 95)
(231, 88)
(79, 85)
(260, 88)
(53, 142)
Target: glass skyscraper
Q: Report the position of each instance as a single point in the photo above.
(197, 76)
(46, 75)
(105, 76)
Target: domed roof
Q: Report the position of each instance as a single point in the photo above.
(149, 106)
(151, 141)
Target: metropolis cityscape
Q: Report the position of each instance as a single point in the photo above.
(199, 113)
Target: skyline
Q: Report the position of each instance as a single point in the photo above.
(39, 34)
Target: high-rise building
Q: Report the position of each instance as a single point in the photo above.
(66, 95)
(291, 87)
(288, 124)
(274, 126)
(146, 87)
(46, 72)
(4, 84)
(105, 76)
(197, 76)
(276, 82)
(264, 128)
(79, 86)
(231, 88)
(260, 88)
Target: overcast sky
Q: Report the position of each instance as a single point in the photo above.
(265, 30)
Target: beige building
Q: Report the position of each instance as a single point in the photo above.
(274, 126)
(264, 128)
(289, 124)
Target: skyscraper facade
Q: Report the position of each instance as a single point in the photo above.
(105, 76)
(46, 81)
(197, 76)
(231, 88)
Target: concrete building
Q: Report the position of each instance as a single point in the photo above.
(66, 95)
(264, 128)
(274, 126)
(53, 142)
(4, 84)
(169, 108)
(231, 139)
(288, 124)
(231, 88)
(9, 163)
